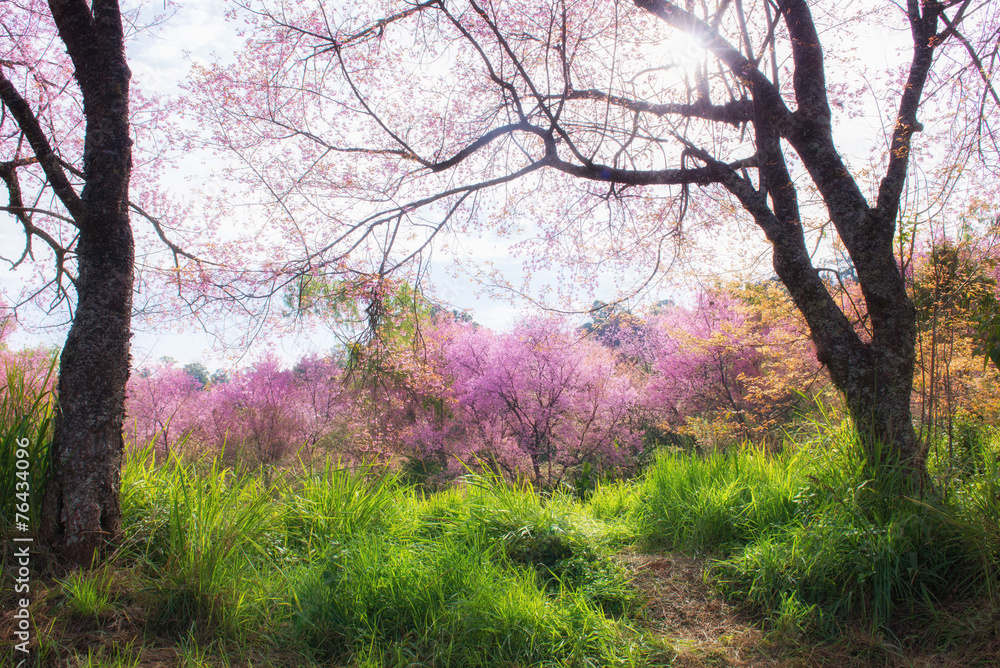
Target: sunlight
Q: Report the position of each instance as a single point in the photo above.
(685, 51)
(679, 56)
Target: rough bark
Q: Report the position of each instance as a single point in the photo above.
(81, 510)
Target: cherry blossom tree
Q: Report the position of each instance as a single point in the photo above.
(255, 413)
(331, 417)
(32, 368)
(162, 405)
(535, 401)
(385, 129)
(731, 366)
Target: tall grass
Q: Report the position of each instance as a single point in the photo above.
(337, 503)
(482, 575)
(203, 534)
(973, 504)
(448, 602)
(555, 536)
(826, 532)
(27, 413)
(346, 565)
(718, 501)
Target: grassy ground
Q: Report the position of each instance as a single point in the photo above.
(810, 557)
(342, 568)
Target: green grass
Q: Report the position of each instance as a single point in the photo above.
(26, 422)
(557, 537)
(89, 594)
(718, 501)
(205, 536)
(818, 537)
(337, 503)
(451, 603)
(125, 657)
(486, 574)
(346, 565)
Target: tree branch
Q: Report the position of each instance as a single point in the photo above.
(923, 29)
(51, 165)
(174, 248)
(734, 112)
(809, 77)
(715, 172)
(744, 70)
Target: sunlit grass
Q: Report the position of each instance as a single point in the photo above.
(89, 593)
(345, 564)
(205, 536)
(720, 500)
(447, 600)
(336, 503)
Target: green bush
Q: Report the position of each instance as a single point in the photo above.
(828, 533)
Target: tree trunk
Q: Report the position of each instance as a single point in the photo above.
(877, 393)
(875, 378)
(81, 510)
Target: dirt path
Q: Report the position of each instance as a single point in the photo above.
(707, 632)
(704, 629)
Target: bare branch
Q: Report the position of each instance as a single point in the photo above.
(47, 158)
(20, 212)
(174, 248)
(734, 112)
(924, 30)
(980, 68)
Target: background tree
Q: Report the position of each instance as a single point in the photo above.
(733, 367)
(612, 326)
(534, 402)
(161, 405)
(955, 293)
(569, 114)
(199, 372)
